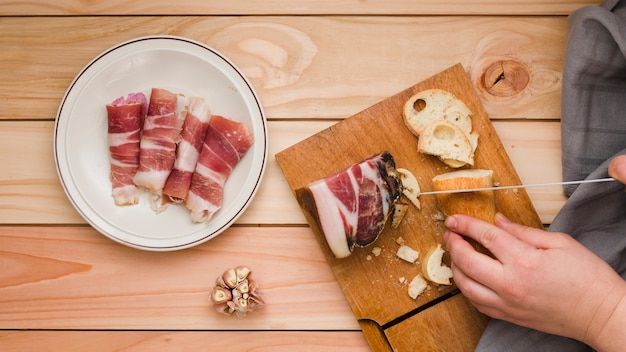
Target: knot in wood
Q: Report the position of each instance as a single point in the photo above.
(505, 78)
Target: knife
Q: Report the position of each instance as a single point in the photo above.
(498, 188)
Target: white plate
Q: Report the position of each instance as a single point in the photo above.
(82, 153)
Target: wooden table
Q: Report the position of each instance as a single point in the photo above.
(64, 286)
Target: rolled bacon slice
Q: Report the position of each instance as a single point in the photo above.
(352, 206)
(225, 143)
(124, 117)
(188, 151)
(161, 133)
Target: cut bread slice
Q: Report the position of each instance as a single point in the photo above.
(479, 204)
(410, 186)
(426, 110)
(447, 141)
(433, 269)
(399, 211)
(455, 164)
(432, 105)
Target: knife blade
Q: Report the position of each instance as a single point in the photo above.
(499, 188)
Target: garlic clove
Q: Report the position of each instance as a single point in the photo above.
(242, 303)
(254, 304)
(242, 272)
(220, 282)
(220, 295)
(256, 294)
(224, 309)
(230, 278)
(243, 286)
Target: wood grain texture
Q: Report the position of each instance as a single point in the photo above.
(313, 64)
(440, 328)
(242, 7)
(105, 341)
(374, 286)
(302, 67)
(75, 278)
(31, 193)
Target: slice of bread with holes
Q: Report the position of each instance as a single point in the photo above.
(443, 124)
(447, 141)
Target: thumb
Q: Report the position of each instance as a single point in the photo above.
(617, 168)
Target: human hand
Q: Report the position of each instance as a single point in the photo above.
(617, 168)
(541, 280)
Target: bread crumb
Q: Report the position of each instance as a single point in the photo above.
(400, 240)
(376, 251)
(438, 216)
(369, 257)
(407, 253)
(417, 286)
(402, 279)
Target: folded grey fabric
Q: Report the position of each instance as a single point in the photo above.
(593, 132)
(593, 121)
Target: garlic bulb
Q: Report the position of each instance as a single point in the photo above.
(235, 292)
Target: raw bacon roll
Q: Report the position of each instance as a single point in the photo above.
(161, 133)
(225, 143)
(124, 117)
(188, 151)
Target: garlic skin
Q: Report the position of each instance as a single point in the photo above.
(236, 292)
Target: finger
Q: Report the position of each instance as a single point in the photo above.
(537, 238)
(472, 264)
(534, 237)
(473, 290)
(617, 168)
(490, 311)
(503, 245)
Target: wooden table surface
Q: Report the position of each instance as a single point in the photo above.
(64, 286)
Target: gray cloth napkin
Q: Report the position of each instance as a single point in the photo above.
(593, 130)
(593, 123)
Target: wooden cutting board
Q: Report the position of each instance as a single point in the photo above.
(376, 286)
